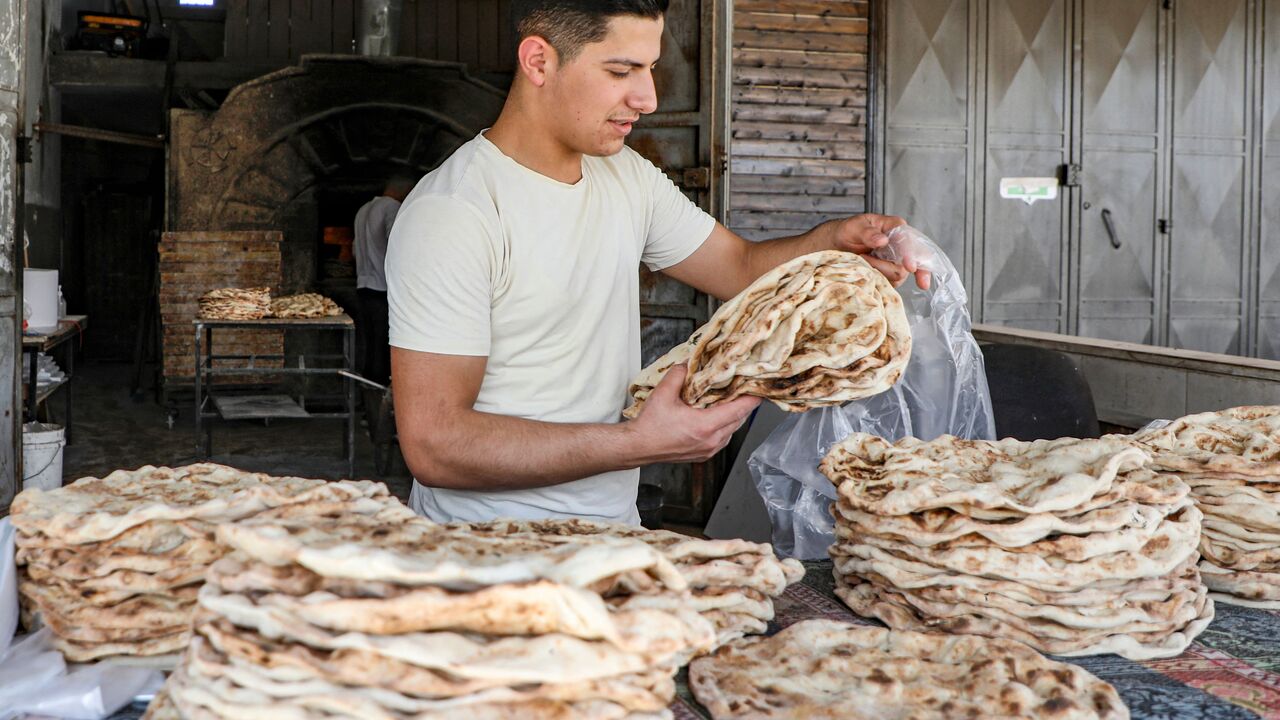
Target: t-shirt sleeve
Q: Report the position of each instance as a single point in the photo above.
(677, 227)
(440, 267)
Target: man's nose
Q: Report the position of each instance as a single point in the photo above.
(644, 97)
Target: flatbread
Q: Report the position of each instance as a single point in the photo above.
(305, 305)
(541, 658)
(829, 669)
(92, 509)
(417, 552)
(875, 476)
(1170, 545)
(898, 613)
(1241, 441)
(821, 329)
(1238, 587)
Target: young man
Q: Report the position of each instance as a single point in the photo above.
(514, 288)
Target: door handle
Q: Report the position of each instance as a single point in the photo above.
(1110, 225)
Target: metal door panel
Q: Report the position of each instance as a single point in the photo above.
(928, 60)
(1207, 252)
(1122, 170)
(923, 185)
(1027, 90)
(1210, 191)
(1023, 243)
(1269, 252)
(929, 138)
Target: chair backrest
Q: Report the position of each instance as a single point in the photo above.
(1038, 394)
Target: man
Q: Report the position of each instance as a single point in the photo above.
(373, 230)
(515, 294)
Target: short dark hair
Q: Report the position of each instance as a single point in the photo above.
(570, 24)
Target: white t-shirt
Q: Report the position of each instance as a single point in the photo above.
(490, 258)
(373, 228)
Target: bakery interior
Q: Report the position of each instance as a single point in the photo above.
(1097, 182)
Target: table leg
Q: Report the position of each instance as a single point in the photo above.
(349, 356)
(31, 384)
(199, 390)
(208, 352)
(71, 374)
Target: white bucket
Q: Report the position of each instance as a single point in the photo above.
(42, 456)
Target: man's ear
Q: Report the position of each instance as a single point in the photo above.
(536, 59)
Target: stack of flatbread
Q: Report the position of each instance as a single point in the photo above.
(236, 304)
(1231, 460)
(820, 330)
(733, 582)
(306, 305)
(1074, 547)
(386, 615)
(830, 669)
(113, 565)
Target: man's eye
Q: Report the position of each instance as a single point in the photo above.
(619, 74)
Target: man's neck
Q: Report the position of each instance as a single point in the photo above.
(538, 151)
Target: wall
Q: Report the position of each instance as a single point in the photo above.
(475, 32)
(42, 214)
(799, 118)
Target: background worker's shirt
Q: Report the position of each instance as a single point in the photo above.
(373, 228)
(489, 258)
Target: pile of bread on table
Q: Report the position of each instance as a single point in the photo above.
(1231, 461)
(293, 598)
(257, 303)
(302, 598)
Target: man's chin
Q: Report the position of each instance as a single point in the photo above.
(606, 148)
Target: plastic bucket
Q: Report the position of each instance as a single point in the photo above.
(42, 456)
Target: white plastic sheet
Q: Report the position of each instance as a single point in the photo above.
(943, 391)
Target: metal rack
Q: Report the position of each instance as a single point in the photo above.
(32, 345)
(210, 405)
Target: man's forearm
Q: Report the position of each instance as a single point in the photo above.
(487, 452)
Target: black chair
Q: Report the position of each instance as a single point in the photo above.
(1038, 394)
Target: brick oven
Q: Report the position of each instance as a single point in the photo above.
(295, 153)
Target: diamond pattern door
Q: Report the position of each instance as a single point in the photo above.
(1024, 247)
(929, 139)
(1268, 345)
(1210, 176)
(1122, 185)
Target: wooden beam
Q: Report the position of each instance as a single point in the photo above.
(88, 133)
(84, 70)
(1206, 362)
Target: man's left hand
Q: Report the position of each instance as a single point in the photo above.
(862, 234)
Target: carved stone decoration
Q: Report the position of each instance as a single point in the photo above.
(210, 149)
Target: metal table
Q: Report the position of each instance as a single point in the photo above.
(32, 345)
(244, 407)
(1231, 672)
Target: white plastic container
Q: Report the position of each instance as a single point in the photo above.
(42, 456)
(40, 292)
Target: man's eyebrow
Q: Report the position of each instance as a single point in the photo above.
(627, 61)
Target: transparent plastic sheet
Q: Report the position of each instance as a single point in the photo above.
(36, 680)
(943, 391)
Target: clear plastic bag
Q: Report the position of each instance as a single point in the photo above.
(943, 391)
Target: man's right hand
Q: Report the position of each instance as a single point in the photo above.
(668, 430)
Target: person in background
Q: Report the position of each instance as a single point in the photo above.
(372, 229)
